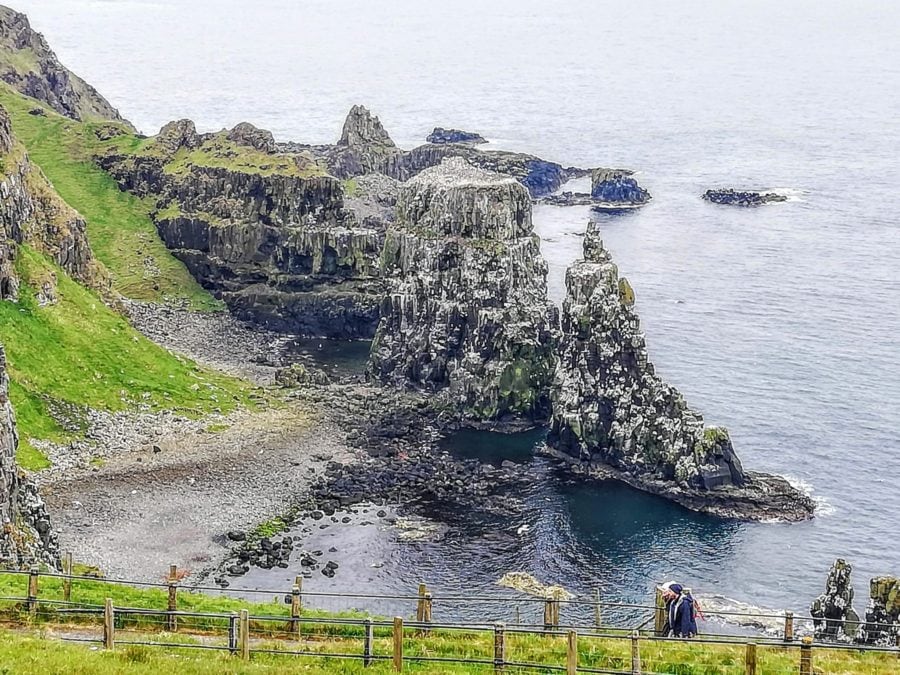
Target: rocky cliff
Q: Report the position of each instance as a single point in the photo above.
(467, 314)
(32, 213)
(266, 231)
(832, 612)
(616, 416)
(26, 537)
(29, 65)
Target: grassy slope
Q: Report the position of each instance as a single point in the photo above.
(81, 353)
(119, 228)
(684, 658)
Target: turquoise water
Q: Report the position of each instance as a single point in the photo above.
(780, 323)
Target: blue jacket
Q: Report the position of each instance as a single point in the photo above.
(682, 618)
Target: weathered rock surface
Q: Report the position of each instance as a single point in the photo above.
(26, 536)
(617, 187)
(442, 136)
(568, 199)
(32, 213)
(265, 231)
(31, 67)
(612, 413)
(833, 615)
(731, 197)
(882, 625)
(365, 147)
(467, 313)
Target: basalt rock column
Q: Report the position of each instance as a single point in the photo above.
(467, 314)
(25, 533)
(882, 624)
(608, 403)
(832, 612)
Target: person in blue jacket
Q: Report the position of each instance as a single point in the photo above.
(682, 615)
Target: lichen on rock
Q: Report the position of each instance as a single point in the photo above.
(882, 625)
(467, 313)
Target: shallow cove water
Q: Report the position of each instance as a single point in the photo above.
(779, 322)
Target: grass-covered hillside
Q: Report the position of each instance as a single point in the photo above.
(119, 228)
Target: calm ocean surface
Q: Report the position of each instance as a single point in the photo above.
(781, 323)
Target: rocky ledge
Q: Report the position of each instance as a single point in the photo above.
(443, 136)
(616, 418)
(731, 197)
(467, 313)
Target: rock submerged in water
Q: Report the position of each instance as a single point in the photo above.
(441, 136)
(731, 197)
(467, 314)
(614, 415)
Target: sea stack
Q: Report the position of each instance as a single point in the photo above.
(612, 412)
(26, 537)
(617, 187)
(833, 614)
(468, 314)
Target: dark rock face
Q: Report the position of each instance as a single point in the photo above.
(882, 624)
(442, 136)
(26, 536)
(732, 197)
(32, 213)
(616, 186)
(33, 69)
(467, 313)
(832, 612)
(615, 416)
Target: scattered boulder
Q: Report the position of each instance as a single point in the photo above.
(176, 135)
(297, 374)
(442, 136)
(731, 197)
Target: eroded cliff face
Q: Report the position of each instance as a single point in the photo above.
(32, 68)
(268, 232)
(467, 314)
(26, 536)
(32, 213)
(617, 418)
(608, 402)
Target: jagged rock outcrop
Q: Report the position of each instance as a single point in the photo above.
(267, 232)
(731, 197)
(614, 415)
(365, 147)
(833, 615)
(441, 136)
(467, 314)
(26, 536)
(31, 67)
(882, 625)
(617, 187)
(32, 213)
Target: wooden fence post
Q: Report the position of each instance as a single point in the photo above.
(788, 626)
(659, 620)
(368, 645)
(68, 570)
(635, 653)
(298, 582)
(171, 619)
(244, 632)
(572, 653)
(233, 633)
(806, 656)
(426, 611)
(499, 647)
(33, 575)
(750, 659)
(109, 625)
(398, 644)
(295, 611)
(597, 609)
(420, 604)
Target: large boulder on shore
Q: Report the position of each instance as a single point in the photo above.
(467, 313)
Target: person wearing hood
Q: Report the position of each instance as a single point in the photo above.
(680, 612)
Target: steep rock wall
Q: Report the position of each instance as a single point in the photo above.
(26, 536)
(467, 314)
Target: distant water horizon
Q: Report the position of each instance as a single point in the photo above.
(780, 323)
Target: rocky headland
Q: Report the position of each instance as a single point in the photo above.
(615, 417)
(746, 198)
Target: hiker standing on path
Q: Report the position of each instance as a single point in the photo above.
(680, 612)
